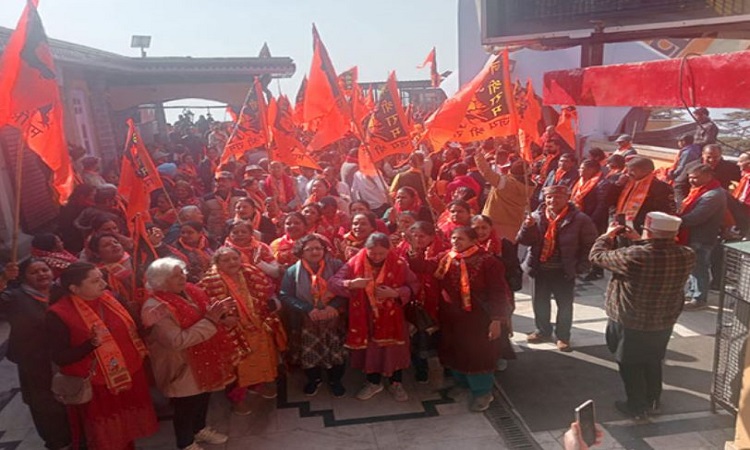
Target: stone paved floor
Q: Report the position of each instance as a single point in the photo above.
(427, 420)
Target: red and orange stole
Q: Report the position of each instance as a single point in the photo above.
(582, 188)
(212, 360)
(112, 365)
(633, 196)
(387, 316)
(550, 236)
(741, 192)
(689, 203)
(445, 265)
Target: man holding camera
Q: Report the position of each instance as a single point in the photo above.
(644, 299)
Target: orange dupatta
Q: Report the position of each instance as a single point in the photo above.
(445, 265)
(319, 285)
(550, 236)
(109, 357)
(633, 196)
(582, 188)
(742, 191)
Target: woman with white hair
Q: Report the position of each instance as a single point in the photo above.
(184, 330)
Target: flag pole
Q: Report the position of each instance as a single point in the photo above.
(17, 208)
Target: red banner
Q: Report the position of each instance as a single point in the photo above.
(138, 176)
(30, 98)
(287, 137)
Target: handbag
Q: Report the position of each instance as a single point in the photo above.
(72, 390)
(415, 314)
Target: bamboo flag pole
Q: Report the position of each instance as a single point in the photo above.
(17, 210)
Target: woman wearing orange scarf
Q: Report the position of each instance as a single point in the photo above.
(315, 315)
(407, 199)
(116, 266)
(191, 353)
(475, 310)
(422, 250)
(194, 247)
(258, 332)
(378, 284)
(91, 334)
(252, 251)
(295, 226)
(363, 225)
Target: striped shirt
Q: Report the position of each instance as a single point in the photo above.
(646, 291)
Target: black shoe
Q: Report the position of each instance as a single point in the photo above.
(592, 276)
(422, 376)
(311, 387)
(625, 409)
(337, 389)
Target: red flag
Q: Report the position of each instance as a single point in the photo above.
(251, 128)
(138, 176)
(299, 103)
(287, 139)
(432, 61)
(567, 125)
(388, 131)
(231, 113)
(366, 166)
(529, 114)
(30, 98)
(324, 99)
(482, 108)
(347, 80)
(370, 99)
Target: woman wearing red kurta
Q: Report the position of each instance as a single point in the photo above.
(378, 283)
(474, 308)
(422, 251)
(458, 214)
(92, 334)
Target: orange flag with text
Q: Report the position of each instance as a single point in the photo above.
(250, 130)
(482, 108)
(388, 132)
(287, 144)
(138, 176)
(30, 98)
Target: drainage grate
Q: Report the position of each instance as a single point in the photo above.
(509, 424)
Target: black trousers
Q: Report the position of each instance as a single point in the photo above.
(642, 384)
(639, 355)
(50, 416)
(189, 417)
(549, 283)
(335, 373)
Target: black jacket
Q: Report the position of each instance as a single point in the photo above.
(725, 172)
(596, 204)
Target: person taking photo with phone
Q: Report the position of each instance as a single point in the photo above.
(643, 300)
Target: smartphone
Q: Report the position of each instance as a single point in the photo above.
(586, 419)
(620, 219)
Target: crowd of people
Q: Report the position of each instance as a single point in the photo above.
(256, 264)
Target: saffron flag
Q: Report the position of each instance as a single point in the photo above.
(432, 61)
(30, 98)
(324, 99)
(144, 254)
(567, 125)
(388, 132)
(287, 137)
(138, 176)
(347, 80)
(299, 103)
(370, 99)
(482, 108)
(250, 130)
(529, 112)
(364, 159)
(232, 115)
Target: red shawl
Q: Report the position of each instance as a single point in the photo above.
(212, 360)
(57, 261)
(742, 191)
(492, 244)
(385, 318)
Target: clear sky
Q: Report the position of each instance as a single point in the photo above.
(378, 36)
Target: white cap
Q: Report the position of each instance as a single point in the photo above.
(659, 221)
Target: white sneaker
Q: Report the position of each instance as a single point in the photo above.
(211, 436)
(398, 392)
(193, 446)
(369, 390)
